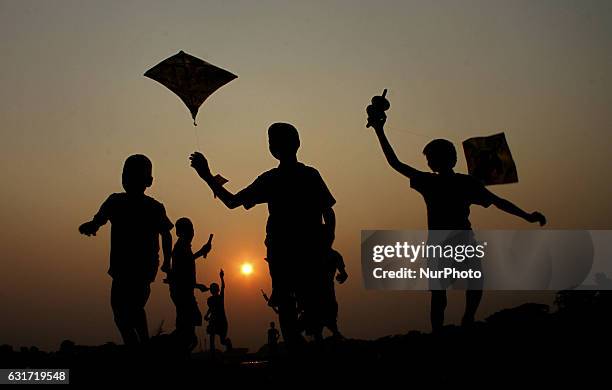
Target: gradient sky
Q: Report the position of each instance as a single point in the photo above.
(74, 105)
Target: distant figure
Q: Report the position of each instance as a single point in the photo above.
(448, 197)
(273, 336)
(301, 224)
(335, 271)
(217, 321)
(137, 221)
(182, 280)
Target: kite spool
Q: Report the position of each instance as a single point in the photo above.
(376, 110)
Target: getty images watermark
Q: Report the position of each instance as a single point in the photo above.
(487, 259)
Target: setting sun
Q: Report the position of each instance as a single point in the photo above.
(246, 269)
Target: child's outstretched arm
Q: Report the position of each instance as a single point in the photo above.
(221, 275)
(511, 208)
(200, 164)
(206, 248)
(390, 155)
(90, 228)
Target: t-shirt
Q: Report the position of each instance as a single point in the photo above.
(273, 336)
(183, 265)
(296, 196)
(216, 305)
(448, 199)
(136, 221)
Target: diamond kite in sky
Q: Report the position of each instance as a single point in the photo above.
(190, 78)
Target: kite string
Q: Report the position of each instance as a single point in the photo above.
(410, 132)
(195, 131)
(437, 134)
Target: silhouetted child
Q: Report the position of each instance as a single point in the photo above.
(137, 222)
(217, 321)
(300, 216)
(334, 271)
(448, 197)
(182, 280)
(273, 336)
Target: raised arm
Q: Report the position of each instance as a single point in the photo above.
(206, 248)
(200, 164)
(222, 276)
(511, 208)
(390, 155)
(90, 228)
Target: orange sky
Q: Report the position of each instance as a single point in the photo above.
(74, 105)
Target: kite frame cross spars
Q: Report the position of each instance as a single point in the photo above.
(193, 80)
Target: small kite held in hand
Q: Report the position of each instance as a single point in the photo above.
(489, 159)
(190, 78)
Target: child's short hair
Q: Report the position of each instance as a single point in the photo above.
(137, 171)
(183, 225)
(441, 153)
(213, 287)
(285, 134)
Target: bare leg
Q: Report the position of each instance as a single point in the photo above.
(212, 345)
(438, 305)
(140, 324)
(472, 301)
(128, 334)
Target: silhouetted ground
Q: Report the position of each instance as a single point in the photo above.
(513, 345)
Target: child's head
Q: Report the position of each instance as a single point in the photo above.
(184, 228)
(441, 155)
(283, 140)
(272, 325)
(214, 289)
(137, 174)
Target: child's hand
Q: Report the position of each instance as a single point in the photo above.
(88, 228)
(200, 164)
(342, 276)
(208, 246)
(376, 118)
(221, 274)
(537, 217)
(201, 287)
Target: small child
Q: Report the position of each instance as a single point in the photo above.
(334, 263)
(217, 321)
(182, 280)
(273, 336)
(137, 223)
